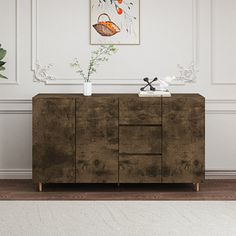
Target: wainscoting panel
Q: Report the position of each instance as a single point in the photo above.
(15, 139)
(223, 37)
(220, 141)
(179, 21)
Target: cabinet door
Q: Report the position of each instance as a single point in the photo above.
(54, 140)
(97, 140)
(183, 139)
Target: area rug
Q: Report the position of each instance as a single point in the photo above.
(109, 218)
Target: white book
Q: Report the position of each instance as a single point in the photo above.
(154, 94)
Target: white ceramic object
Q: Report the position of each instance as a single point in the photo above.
(165, 82)
(87, 88)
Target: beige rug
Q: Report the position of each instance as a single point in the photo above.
(117, 218)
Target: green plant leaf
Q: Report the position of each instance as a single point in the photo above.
(2, 63)
(2, 68)
(3, 77)
(3, 53)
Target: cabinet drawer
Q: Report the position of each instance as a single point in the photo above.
(140, 169)
(140, 111)
(140, 139)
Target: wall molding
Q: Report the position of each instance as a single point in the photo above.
(16, 81)
(15, 106)
(221, 101)
(213, 82)
(15, 173)
(15, 101)
(27, 174)
(24, 106)
(221, 112)
(220, 174)
(42, 72)
(15, 112)
(220, 106)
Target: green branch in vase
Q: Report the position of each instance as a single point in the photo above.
(97, 57)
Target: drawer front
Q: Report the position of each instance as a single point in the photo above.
(140, 169)
(140, 111)
(140, 139)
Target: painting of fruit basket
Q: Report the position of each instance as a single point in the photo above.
(115, 22)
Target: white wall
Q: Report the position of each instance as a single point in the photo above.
(172, 32)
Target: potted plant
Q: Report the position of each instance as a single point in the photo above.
(98, 56)
(3, 53)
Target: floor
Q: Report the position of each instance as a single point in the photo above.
(210, 190)
(117, 218)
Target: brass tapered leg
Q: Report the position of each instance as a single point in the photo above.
(197, 187)
(40, 187)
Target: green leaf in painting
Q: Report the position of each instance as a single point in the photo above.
(2, 53)
(2, 63)
(3, 77)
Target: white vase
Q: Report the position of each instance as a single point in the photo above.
(87, 88)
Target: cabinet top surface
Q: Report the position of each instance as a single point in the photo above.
(65, 95)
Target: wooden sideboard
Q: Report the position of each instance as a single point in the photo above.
(118, 139)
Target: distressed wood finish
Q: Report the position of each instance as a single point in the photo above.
(138, 111)
(97, 140)
(118, 139)
(53, 140)
(140, 169)
(140, 139)
(183, 139)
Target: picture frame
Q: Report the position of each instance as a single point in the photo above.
(115, 22)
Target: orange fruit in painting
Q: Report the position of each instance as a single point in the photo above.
(120, 1)
(119, 11)
(108, 24)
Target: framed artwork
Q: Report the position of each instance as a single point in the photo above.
(115, 22)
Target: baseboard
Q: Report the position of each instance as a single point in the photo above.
(220, 174)
(16, 174)
(27, 174)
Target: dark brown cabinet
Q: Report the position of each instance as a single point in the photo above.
(118, 139)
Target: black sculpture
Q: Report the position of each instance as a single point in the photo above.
(149, 84)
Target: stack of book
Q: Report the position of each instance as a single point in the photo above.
(154, 94)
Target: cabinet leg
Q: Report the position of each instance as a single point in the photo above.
(197, 187)
(40, 186)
